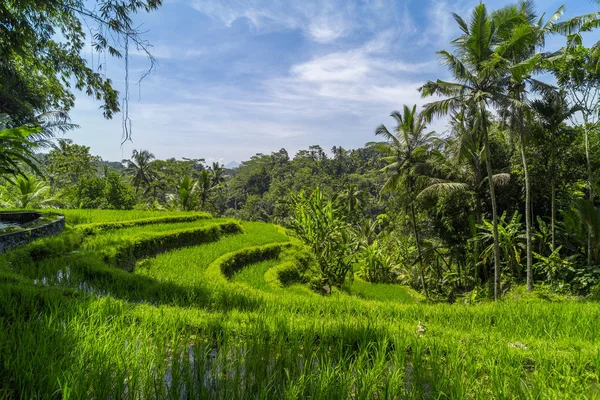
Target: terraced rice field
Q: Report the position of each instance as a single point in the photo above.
(148, 305)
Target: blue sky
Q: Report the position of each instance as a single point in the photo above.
(239, 77)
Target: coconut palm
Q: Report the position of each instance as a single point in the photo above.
(205, 187)
(405, 153)
(139, 167)
(217, 172)
(479, 68)
(351, 199)
(187, 191)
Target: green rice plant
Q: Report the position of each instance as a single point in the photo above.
(217, 320)
(96, 227)
(88, 216)
(133, 248)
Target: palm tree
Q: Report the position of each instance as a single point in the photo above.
(479, 68)
(553, 110)
(16, 148)
(187, 191)
(217, 172)
(51, 124)
(139, 166)
(352, 199)
(523, 59)
(205, 186)
(30, 193)
(405, 154)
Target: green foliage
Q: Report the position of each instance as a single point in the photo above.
(159, 329)
(119, 193)
(43, 67)
(555, 269)
(69, 163)
(89, 193)
(29, 192)
(16, 148)
(323, 228)
(511, 237)
(377, 266)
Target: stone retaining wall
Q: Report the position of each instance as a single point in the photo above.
(19, 238)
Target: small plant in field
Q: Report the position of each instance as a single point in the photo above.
(554, 267)
(377, 266)
(323, 227)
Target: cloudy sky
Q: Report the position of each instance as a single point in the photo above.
(239, 77)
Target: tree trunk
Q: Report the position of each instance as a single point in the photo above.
(488, 164)
(553, 213)
(527, 214)
(590, 188)
(422, 268)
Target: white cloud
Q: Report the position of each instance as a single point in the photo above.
(337, 96)
(324, 21)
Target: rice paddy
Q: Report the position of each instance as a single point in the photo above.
(226, 316)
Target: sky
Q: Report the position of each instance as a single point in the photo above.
(240, 77)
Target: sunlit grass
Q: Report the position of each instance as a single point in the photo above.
(171, 330)
(76, 217)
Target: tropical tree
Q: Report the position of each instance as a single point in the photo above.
(29, 192)
(43, 66)
(576, 72)
(351, 199)
(187, 192)
(553, 111)
(205, 187)
(140, 170)
(405, 153)
(217, 172)
(520, 51)
(16, 148)
(479, 68)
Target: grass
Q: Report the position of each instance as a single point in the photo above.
(255, 276)
(382, 292)
(77, 217)
(178, 328)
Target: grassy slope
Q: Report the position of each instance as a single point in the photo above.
(244, 338)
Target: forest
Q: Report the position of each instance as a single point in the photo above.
(455, 264)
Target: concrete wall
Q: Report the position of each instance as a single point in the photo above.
(19, 238)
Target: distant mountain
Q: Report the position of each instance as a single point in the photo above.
(232, 165)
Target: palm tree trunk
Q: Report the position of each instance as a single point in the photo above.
(420, 255)
(488, 164)
(552, 195)
(527, 214)
(553, 213)
(590, 188)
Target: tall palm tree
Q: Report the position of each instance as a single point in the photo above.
(139, 166)
(405, 153)
(523, 59)
(553, 111)
(478, 67)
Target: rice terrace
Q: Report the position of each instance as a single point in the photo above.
(450, 251)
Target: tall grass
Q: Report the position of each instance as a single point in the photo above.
(171, 330)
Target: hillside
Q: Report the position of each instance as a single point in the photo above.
(183, 305)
